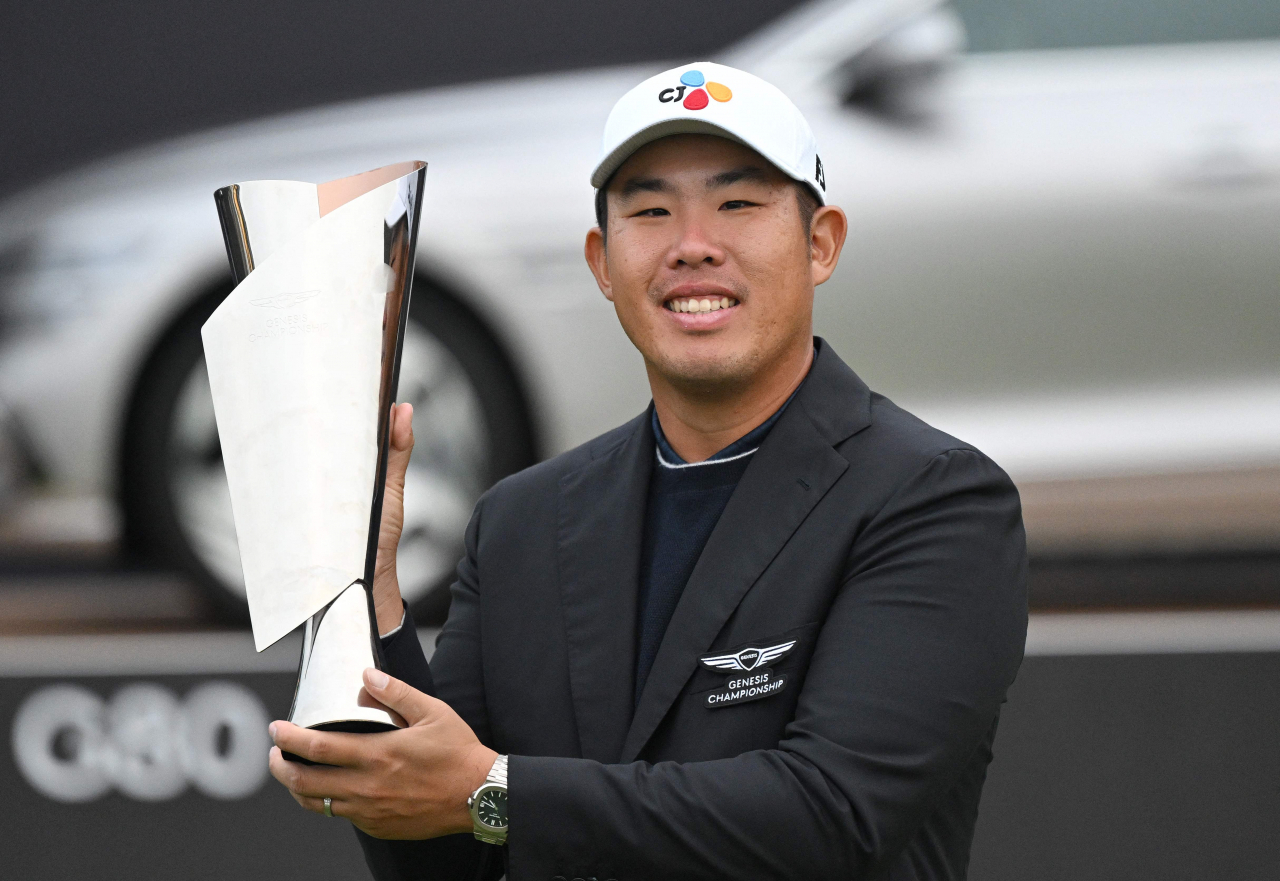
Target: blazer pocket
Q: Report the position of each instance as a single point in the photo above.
(754, 669)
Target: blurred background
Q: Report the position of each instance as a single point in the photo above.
(1065, 248)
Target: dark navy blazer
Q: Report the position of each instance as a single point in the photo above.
(892, 554)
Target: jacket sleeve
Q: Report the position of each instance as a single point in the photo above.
(453, 676)
(912, 663)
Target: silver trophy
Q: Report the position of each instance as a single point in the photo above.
(303, 359)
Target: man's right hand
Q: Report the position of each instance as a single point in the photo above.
(386, 584)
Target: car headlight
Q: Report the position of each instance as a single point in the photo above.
(44, 282)
(15, 260)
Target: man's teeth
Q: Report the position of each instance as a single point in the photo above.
(693, 304)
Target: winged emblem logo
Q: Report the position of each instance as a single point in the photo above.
(284, 301)
(749, 658)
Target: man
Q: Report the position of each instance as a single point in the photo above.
(763, 630)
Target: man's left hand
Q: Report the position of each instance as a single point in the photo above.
(412, 783)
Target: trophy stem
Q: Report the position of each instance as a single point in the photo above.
(339, 643)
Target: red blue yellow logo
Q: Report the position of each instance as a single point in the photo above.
(700, 92)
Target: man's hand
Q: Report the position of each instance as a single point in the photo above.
(386, 584)
(407, 784)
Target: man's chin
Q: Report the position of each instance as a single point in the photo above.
(706, 372)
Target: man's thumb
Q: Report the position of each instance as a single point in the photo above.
(412, 705)
(401, 436)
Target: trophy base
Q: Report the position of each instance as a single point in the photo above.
(348, 727)
(339, 643)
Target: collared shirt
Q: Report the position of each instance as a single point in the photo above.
(685, 502)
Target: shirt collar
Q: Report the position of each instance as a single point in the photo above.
(743, 446)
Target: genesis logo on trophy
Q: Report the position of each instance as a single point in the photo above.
(284, 301)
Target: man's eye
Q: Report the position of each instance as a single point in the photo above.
(652, 212)
(734, 204)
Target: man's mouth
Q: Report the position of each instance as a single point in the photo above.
(699, 304)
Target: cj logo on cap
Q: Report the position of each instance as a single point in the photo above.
(697, 99)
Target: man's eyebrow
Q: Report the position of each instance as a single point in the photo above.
(733, 176)
(644, 185)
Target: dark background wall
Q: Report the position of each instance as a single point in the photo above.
(82, 80)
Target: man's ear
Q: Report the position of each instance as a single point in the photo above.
(598, 259)
(826, 240)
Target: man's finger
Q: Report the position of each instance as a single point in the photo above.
(321, 747)
(364, 699)
(412, 705)
(401, 444)
(338, 806)
(311, 781)
(386, 586)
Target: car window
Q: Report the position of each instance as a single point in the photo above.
(1011, 25)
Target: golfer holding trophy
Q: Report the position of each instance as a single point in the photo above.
(762, 630)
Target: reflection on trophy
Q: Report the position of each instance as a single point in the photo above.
(303, 359)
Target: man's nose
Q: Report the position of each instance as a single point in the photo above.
(695, 247)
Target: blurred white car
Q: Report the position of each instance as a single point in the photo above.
(1065, 248)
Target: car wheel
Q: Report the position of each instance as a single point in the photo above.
(471, 428)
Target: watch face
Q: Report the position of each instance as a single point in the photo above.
(491, 807)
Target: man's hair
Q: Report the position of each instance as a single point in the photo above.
(805, 199)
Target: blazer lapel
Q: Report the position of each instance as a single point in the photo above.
(790, 473)
(601, 521)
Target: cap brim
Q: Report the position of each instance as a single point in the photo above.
(678, 126)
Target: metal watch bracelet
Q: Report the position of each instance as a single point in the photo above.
(498, 773)
(497, 776)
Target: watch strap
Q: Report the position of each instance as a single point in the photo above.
(498, 773)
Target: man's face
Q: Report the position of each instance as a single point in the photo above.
(707, 261)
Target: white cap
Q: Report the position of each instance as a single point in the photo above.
(711, 99)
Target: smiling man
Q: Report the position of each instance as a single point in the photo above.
(763, 630)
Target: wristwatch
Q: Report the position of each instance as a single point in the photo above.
(488, 805)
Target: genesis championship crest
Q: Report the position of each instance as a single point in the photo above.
(303, 359)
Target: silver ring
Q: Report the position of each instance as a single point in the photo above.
(328, 807)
